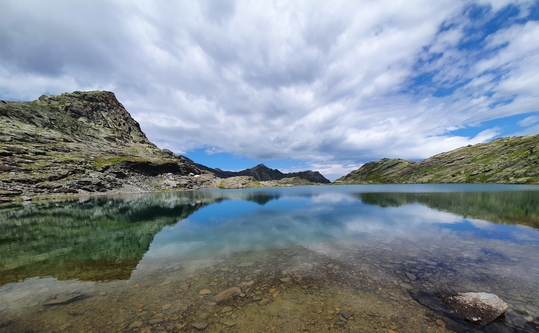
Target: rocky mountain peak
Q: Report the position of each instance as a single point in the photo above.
(94, 110)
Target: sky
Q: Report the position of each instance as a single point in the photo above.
(296, 85)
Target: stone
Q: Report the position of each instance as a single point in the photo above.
(135, 324)
(201, 325)
(265, 301)
(411, 276)
(227, 294)
(285, 280)
(228, 323)
(155, 321)
(226, 309)
(204, 292)
(346, 314)
(475, 307)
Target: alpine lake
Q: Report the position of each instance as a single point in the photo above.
(350, 258)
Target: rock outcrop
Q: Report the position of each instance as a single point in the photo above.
(513, 160)
(83, 143)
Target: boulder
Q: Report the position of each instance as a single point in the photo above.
(479, 308)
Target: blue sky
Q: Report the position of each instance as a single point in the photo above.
(326, 86)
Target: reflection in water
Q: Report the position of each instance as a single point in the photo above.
(96, 240)
(514, 207)
(307, 249)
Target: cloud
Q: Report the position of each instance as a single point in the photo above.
(528, 121)
(336, 84)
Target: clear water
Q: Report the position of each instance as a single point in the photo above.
(338, 258)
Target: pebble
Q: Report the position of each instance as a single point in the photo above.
(405, 286)
(135, 324)
(204, 292)
(411, 276)
(226, 309)
(265, 301)
(285, 280)
(227, 294)
(346, 314)
(155, 321)
(229, 323)
(201, 325)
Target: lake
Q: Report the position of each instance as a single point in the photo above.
(356, 258)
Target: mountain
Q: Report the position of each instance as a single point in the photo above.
(512, 160)
(83, 143)
(263, 173)
(87, 143)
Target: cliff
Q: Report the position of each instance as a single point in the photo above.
(513, 160)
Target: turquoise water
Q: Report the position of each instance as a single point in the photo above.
(141, 262)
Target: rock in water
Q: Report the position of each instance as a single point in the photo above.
(227, 294)
(479, 308)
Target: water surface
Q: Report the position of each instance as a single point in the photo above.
(340, 258)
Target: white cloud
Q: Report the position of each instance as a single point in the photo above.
(325, 82)
(528, 121)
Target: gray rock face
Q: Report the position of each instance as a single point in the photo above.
(478, 308)
(82, 143)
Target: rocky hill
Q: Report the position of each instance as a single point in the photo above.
(83, 143)
(513, 160)
(263, 173)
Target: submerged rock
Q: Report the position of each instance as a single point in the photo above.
(227, 294)
(479, 308)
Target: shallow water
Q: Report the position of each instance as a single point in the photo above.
(338, 258)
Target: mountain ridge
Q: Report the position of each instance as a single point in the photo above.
(261, 172)
(509, 160)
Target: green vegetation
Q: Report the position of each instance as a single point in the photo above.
(102, 161)
(97, 240)
(506, 160)
(520, 207)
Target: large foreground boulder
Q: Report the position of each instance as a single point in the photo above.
(478, 308)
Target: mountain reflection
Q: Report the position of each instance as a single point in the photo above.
(99, 239)
(515, 207)
(104, 239)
